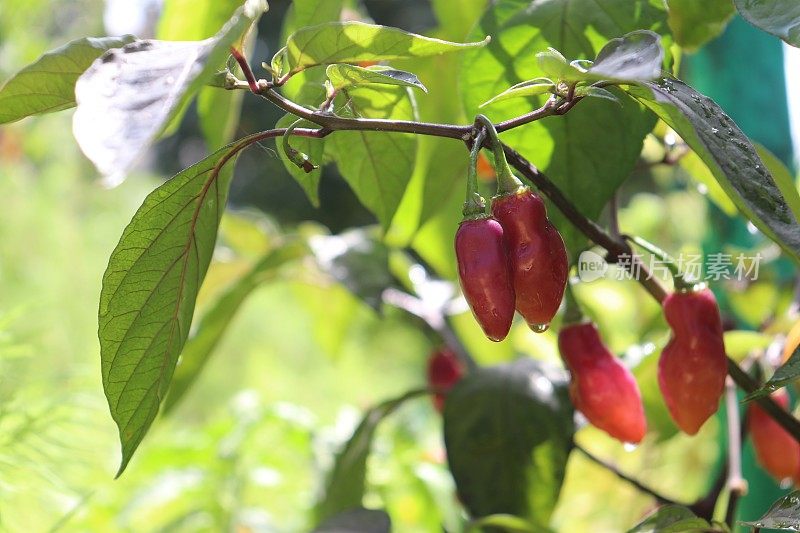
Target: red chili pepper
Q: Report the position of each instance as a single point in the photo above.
(539, 263)
(483, 271)
(776, 450)
(601, 387)
(693, 365)
(445, 369)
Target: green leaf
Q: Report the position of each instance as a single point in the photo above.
(592, 149)
(700, 172)
(314, 149)
(671, 519)
(506, 522)
(353, 42)
(358, 520)
(532, 87)
(377, 165)
(781, 18)
(555, 66)
(783, 178)
(695, 23)
(741, 343)
(783, 376)
(343, 76)
(344, 488)
(149, 292)
(508, 431)
(358, 260)
(729, 155)
(48, 84)
(636, 56)
(214, 323)
(304, 13)
(784, 514)
(597, 92)
(129, 95)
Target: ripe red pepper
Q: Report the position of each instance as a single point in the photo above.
(539, 263)
(601, 387)
(483, 271)
(776, 450)
(693, 365)
(445, 369)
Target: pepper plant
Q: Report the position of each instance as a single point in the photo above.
(567, 96)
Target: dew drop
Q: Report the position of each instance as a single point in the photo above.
(714, 131)
(629, 446)
(539, 328)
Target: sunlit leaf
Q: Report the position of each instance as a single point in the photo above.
(149, 292)
(532, 87)
(636, 56)
(695, 23)
(344, 488)
(48, 84)
(128, 96)
(729, 155)
(343, 75)
(353, 42)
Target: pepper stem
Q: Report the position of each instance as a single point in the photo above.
(474, 205)
(296, 156)
(507, 182)
(572, 312)
(680, 282)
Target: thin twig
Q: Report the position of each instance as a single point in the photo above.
(660, 498)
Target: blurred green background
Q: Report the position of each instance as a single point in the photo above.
(249, 446)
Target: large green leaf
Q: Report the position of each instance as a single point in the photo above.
(784, 514)
(729, 155)
(344, 488)
(377, 165)
(192, 20)
(695, 23)
(778, 17)
(48, 84)
(508, 431)
(214, 323)
(590, 151)
(129, 95)
(353, 42)
(671, 519)
(149, 292)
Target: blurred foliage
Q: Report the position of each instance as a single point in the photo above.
(303, 359)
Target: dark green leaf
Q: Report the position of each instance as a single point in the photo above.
(729, 155)
(357, 520)
(695, 23)
(636, 56)
(506, 522)
(357, 260)
(784, 375)
(149, 291)
(48, 84)
(377, 165)
(592, 149)
(343, 76)
(314, 149)
(783, 178)
(781, 18)
(670, 519)
(353, 42)
(129, 95)
(215, 321)
(508, 431)
(344, 488)
(784, 514)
